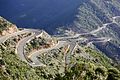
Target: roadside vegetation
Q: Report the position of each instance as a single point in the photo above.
(54, 61)
(11, 67)
(80, 68)
(4, 24)
(85, 63)
(38, 43)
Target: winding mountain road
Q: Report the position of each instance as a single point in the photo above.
(34, 55)
(71, 40)
(4, 38)
(20, 46)
(105, 25)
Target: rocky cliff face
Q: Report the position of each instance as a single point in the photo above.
(6, 27)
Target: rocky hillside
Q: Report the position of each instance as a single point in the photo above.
(100, 18)
(93, 14)
(85, 63)
(6, 27)
(93, 59)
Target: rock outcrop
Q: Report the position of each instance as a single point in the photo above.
(6, 27)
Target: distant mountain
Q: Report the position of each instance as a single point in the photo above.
(101, 19)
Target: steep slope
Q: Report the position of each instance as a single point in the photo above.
(85, 63)
(96, 18)
(93, 14)
(101, 18)
(6, 27)
(11, 67)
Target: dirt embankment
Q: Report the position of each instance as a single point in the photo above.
(6, 27)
